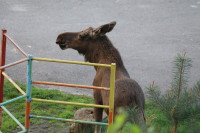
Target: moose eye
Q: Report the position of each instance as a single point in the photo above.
(81, 37)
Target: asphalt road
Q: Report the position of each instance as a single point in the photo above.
(148, 34)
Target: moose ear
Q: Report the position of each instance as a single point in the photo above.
(85, 34)
(102, 30)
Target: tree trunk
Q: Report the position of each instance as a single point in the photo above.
(175, 127)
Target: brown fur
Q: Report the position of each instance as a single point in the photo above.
(95, 46)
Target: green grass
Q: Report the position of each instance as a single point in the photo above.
(160, 124)
(17, 108)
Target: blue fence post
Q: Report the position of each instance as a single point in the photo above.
(28, 91)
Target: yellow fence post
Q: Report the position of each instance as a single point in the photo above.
(112, 93)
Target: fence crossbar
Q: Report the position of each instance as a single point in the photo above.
(69, 120)
(69, 103)
(12, 100)
(71, 62)
(70, 85)
(14, 63)
(13, 117)
(13, 83)
(16, 45)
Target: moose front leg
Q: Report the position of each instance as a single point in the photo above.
(98, 112)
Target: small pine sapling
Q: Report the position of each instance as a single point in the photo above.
(181, 102)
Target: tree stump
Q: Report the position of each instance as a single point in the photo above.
(86, 114)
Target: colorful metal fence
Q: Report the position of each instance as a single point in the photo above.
(27, 94)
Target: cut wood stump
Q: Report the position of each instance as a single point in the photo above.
(86, 114)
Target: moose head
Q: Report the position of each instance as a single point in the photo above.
(80, 41)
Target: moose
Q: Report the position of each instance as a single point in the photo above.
(96, 47)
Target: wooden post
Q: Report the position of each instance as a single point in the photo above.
(2, 63)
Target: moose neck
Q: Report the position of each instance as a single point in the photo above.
(101, 50)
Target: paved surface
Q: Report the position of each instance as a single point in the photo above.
(148, 34)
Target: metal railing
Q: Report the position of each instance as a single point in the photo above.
(27, 94)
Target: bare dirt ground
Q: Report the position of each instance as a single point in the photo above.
(45, 127)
